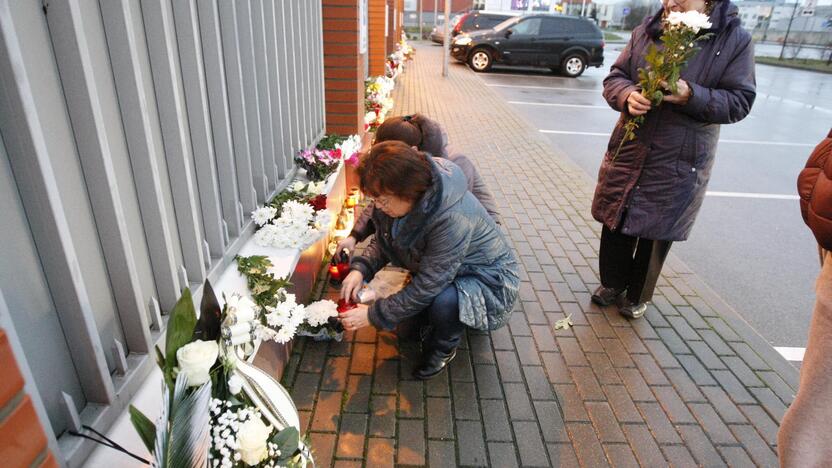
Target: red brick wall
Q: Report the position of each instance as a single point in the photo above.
(456, 5)
(343, 67)
(378, 45)
(22, 440)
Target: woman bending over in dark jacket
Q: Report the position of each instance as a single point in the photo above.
(426, 135)
(650, 194)
(426, 221)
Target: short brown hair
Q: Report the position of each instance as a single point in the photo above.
(394, 168)
(400, 128)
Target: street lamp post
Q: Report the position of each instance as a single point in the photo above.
(447, 39)
(421, 8)
(788, 30)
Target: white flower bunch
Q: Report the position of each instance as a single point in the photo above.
(295, 228)
(311, 188)
(242, 308)
(692, 19)
(284, 318)
(318, 313)
(263, 215)
(239, 437)
(349, 146)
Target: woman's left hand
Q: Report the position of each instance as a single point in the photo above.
(356, 318)
(681, 95)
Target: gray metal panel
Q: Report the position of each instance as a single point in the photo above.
(311, 74)
(209, 24)
(318, 40)
(236, 100)
(251, 98)
(258, 32)
(287, 118)
(278, 141)
(290, 24)
(25, 128)
(164, 60)
(69, 38)
(199, 117)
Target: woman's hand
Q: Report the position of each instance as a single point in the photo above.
(356, 318)
(351, 285)
(637, 104)
(348, 244)
(681, 95)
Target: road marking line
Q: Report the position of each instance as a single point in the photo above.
(791, 354)
(742, 142)
(582, 106)
(594, 91)
(773, 196)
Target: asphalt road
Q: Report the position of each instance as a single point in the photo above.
(749, 243)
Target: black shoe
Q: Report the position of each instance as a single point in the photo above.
(604, 296)
(633, 311)
(435, 362)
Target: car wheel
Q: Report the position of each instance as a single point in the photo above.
(480, 60)
(573, 66)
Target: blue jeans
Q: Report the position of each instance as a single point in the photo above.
(443, 317)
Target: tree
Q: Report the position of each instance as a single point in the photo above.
(638, 11)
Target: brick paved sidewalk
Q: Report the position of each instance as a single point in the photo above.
(691, 384)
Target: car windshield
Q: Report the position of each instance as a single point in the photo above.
(507, 23)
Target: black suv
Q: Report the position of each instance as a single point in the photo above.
(470, 22)
(567, 44)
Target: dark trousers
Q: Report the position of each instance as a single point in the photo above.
(442, 317)
(632, 263)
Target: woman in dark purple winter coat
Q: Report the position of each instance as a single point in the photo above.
(650, 195)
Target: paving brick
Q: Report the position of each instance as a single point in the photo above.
(692, 316)
(723, 405)
(651, 372)
(526, 350)
(548, 301)
(358, 394)
(519, 326)
(509, 366)
(362, 360)
(762, 421)
(502, 339)
(440, 418)
(562, 455)
(305, 420)
(621, 404)
(750, 356)
(470, 443)
(530, 444)
(502, 454)
(441, 454)
(696, 370)
(586, 383)
(551, 422)
(658, 423)
(488, 382)
(587, 446)
(411, 399)
(601, 326)
(620, 455)
(723, 329)
(664, 358)
(324, 448)
(678, 456)
(643, 445)
(761, 453)
(706, 355)
(347, 464)
(602, 366)
(351, 436)
(683, 328)
(534, 314)
(556, 368)
(543, 338)
(778, 386)
(305, 389)
(481, 351)
(736, 456)
(570, 402)
(717, 343)
(438, 386)
(655, 317)
(496, 420)
(773, 406)
(537, 382)
(673, 406)
(562, 290)
(313, 358)
(327, 412)
(700, 447)
(630, 340)
(735, 389)
(386, 377)
(604, 422)
(741, 370)
(519, 404)
(616, 352)
(633, 380)
(717, 431)
(587, 340)
(673, 341)
(411, 442)
(644, 330)
(383, 416)
(465, 400)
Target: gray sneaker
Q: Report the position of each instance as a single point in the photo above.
(633, 311)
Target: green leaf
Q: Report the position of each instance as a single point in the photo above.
(144, 426)
(180, 327)
(210, 315)
(183, 438)
(160, 358)
(288, 440)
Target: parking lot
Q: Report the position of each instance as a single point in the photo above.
(749, 244)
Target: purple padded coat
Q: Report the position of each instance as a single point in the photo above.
(659, 179)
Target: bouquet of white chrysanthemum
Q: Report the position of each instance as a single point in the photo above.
(680, 34)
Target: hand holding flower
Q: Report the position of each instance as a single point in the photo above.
(680, 96)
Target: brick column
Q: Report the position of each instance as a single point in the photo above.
(22, 440)
(378, 44)
(343, 67)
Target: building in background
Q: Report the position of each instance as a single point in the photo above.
(611, 13)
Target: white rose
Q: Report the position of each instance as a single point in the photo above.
(235, 384)
(297, 186)
(195, 360)
(245, 310)
(252, 441)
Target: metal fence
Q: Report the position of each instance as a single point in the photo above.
(136, 137)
